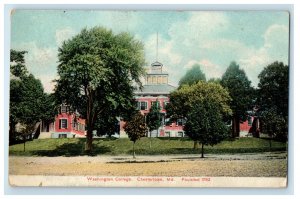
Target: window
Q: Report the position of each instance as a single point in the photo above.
(144, 106)
(159, 79)
(155, 103)
(165, 104)
(249, 121)
(180, 134)
(64, 108)
(165, 80)
(81, 127)
(168, 122)
(180, 122)
(63, 123)
(62, 136)
(149, 80)
(154, 80)
(167, 134)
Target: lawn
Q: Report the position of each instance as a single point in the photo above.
(122, 146)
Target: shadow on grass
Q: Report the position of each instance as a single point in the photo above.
(72, 149)
(174, 138)
(206, 151)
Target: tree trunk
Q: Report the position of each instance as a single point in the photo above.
(89, 141)
(270, 142)
(202, 151)
(233, 130)
(12, 132)
(150, 140)
(133, 150)
(235, 126)
(196, 145)
(24, 138)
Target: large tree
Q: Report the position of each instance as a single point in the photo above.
(236, 82)
(205, 124)
(28, 102)
(96, 71)
(192, 76)
(183, 101)
(135, 128)
(273, 89)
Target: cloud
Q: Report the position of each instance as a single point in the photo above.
(275, 48)
(210, 69)
(199, 27)
(63, 35)
(276, 41)
(40, 61)
(47, 82)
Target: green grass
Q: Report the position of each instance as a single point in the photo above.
(163, 146)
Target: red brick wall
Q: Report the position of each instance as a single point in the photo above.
(70, 118)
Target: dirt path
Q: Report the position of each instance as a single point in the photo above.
(242, 165)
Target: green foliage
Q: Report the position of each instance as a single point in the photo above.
(108, 127)
(28, 102)
(192, 76)
(153, 118)
(17, 63)
(136, 127)
(205, 124)
(274, 124)
(274, 88)
(215, 80)
(96, 72)
(241, 92)
(189, 102)
(182, 101)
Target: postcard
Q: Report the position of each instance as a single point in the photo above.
(149, 98)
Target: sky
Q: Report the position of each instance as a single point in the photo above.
(212, 39)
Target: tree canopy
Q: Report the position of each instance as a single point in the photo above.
(273, 89)
(182, 101)
(96, 71)
(153, 118)
(17, 63)
(204, 105)
(28, 102)
(136, 128)
(192, 76)
(239, 87)
(205, 124)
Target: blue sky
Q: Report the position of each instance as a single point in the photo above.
(253, 39)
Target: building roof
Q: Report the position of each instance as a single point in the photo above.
(156, 64)
(155, 89)
(157, 73)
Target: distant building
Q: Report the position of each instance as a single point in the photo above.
(66, 125)
(158, 89)
(251, 127)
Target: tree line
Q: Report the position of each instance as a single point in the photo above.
(98, 72)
